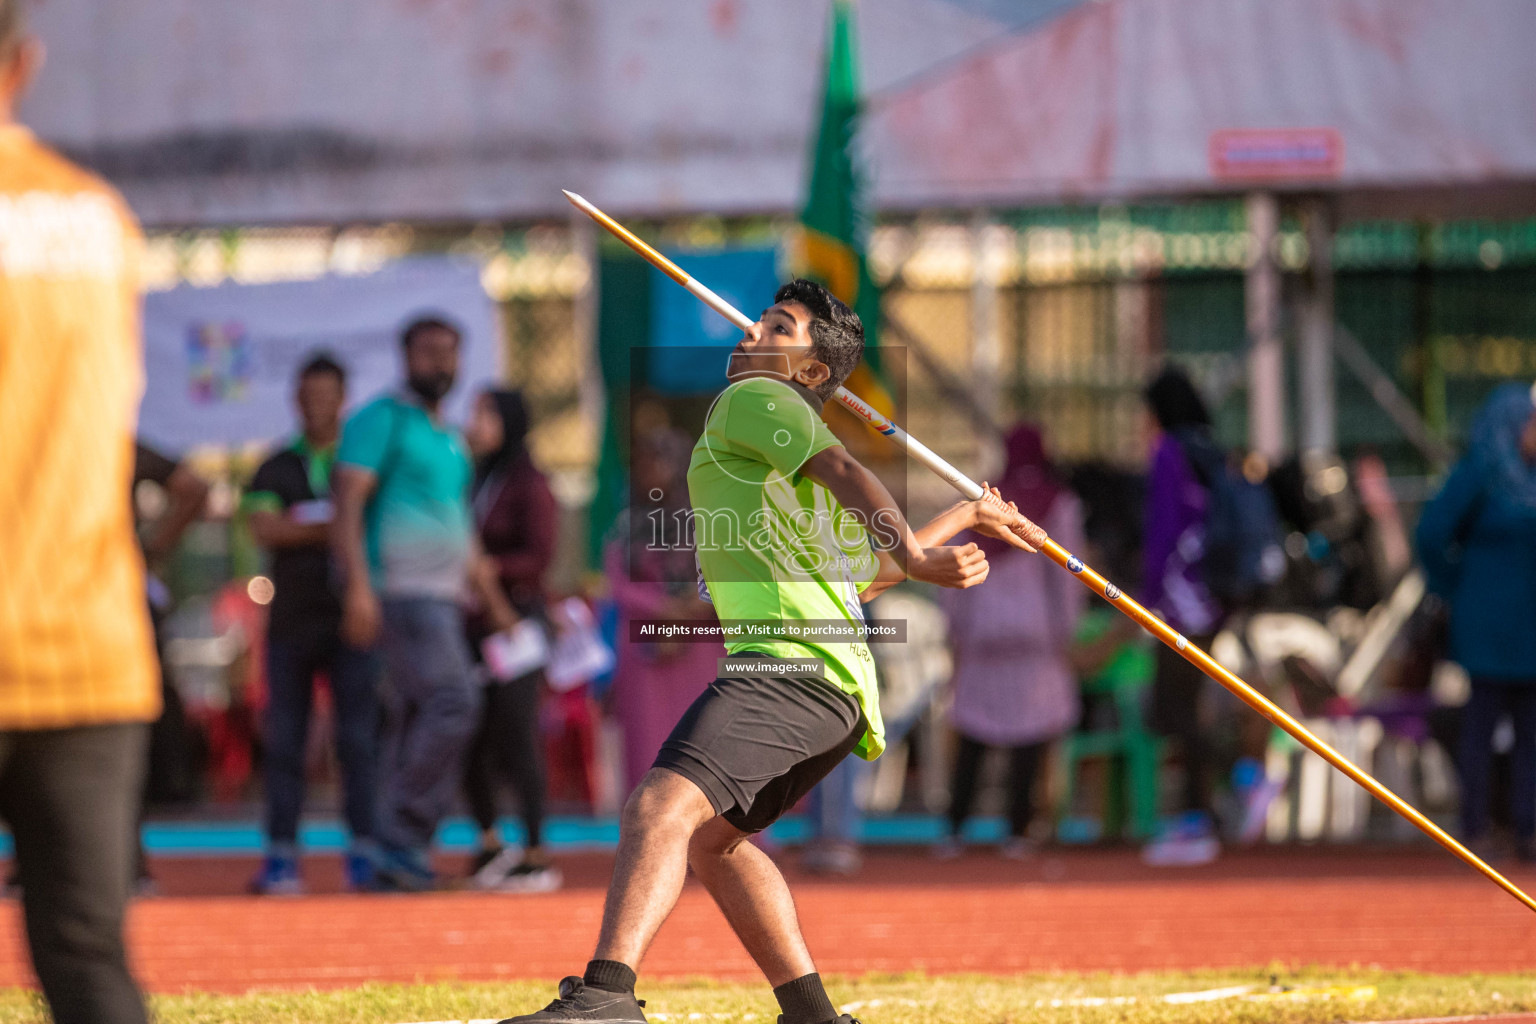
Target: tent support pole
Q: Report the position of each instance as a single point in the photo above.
(986, 354)
(1318, 427)
(1266, 356)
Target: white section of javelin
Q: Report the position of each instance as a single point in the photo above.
(718, 304)
(968, 488)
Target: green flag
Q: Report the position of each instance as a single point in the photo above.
(835, 231)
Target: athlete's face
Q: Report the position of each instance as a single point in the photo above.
(779, 345)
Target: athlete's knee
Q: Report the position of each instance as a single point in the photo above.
(665, 800)
(715, 839)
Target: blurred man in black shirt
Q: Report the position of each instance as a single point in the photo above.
(289, 509)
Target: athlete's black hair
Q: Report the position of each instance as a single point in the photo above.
(836, 331)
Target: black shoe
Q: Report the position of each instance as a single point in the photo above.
(581, 1004)
(846, 1018)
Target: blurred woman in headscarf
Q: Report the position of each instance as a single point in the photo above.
(1013, 686)
(1477, 540)
(516, 517)
(652, 574)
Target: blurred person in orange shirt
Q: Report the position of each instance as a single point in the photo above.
(78, 682)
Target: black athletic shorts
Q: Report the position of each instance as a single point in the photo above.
(756, 744)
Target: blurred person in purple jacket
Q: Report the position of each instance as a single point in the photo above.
(1013, 685)
(1174, 587)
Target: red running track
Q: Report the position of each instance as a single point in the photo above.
(1077, 910)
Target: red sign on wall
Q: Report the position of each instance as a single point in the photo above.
(1276, 154)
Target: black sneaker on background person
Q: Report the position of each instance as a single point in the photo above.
(846, 1018)
(580, 1003)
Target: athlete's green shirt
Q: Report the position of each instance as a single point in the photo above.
(772, 544)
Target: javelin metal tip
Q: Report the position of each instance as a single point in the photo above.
(572, 196)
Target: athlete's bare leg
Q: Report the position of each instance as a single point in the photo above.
(752, 895)
(659, 819)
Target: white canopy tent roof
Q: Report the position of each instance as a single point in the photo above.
(227, 112)
(215, 111)
(1378, 108)
(1376, 100)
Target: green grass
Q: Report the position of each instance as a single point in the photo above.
(888, 999)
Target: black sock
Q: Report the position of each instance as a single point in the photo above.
(805, 1001)
(610, 976)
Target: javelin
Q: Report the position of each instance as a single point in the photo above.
(1090, 579)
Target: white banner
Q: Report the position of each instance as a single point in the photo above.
(221, 361)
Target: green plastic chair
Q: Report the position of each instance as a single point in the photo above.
(1132, 751)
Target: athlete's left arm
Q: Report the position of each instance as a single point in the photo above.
(979, 515)
(862, 494)
(994, 519)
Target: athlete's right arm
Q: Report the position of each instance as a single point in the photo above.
(861, 492)
(351, 487)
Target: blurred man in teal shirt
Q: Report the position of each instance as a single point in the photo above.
(405, 542)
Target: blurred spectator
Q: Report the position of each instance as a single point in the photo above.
(1388, 538)
(289, 510)
(516, 516)
(1174, 587)
(230, 718)
(1477, 539)
(1013, 685)
(404, 474)
(173, 763)
(570, 719)
(78, 681)
(1112, 658)
(172, 769)
(909, 673)
(653, 575)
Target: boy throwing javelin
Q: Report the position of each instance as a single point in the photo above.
(791, 530)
